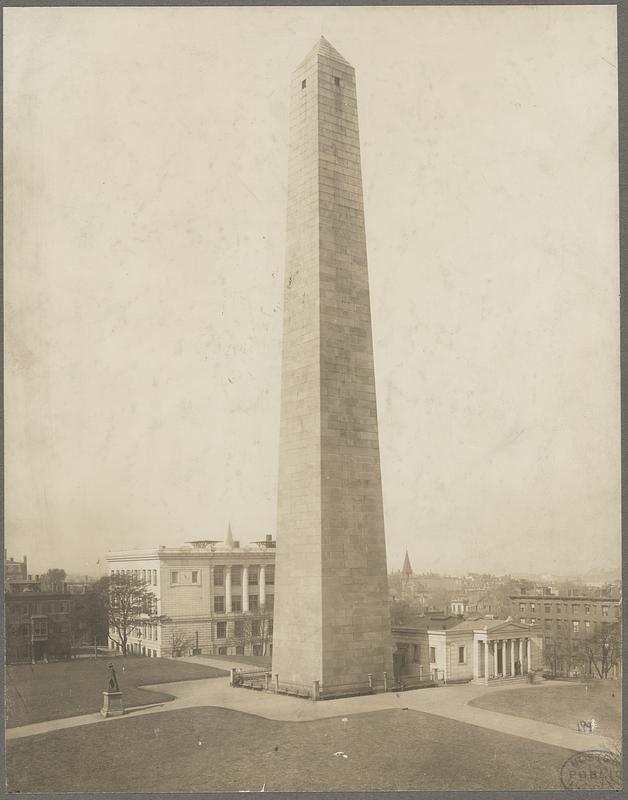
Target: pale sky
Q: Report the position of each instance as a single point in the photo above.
(145, 207)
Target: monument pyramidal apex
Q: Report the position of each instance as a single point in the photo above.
(332, 616)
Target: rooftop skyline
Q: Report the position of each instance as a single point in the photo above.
(145, 238)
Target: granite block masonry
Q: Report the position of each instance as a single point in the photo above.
(332, 617)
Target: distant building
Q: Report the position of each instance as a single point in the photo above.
(566, 621)
(38, 624)
(214, 597)
(444, 649)
(459, 607)
(14, 570)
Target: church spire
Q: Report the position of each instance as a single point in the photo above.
(406, 570)
(229, 539)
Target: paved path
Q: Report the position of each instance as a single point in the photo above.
(445, 701)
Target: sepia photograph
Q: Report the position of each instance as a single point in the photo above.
(312, 458)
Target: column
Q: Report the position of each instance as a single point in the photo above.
(495, 658)
(512, 657)
(486, 667)
(476, 659)
(529, 653)
(245, 588)
(228, 589)
(262, 586)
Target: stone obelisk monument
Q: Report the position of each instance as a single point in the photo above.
(332, 617)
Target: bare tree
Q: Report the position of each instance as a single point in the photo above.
(128, 604)
(180, 641)
(254, 628)
(599, 653)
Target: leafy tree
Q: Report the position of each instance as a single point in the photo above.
(54, 579)
(403, 613)
(89, 615)
(128, 603)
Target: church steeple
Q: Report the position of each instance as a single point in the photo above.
(406, 570)
(229, 539)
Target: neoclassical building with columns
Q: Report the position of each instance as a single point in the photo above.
(479, 650)
(213, 597)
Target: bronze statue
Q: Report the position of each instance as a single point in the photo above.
(113, 680)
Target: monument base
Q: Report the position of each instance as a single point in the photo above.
(112, 704)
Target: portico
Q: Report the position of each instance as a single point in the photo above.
(483, 650)
(505, 650)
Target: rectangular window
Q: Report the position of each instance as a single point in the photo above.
(144, 575)
(194, 576)
(532, 607)
(270, 574)
(548, 624)
(219, 576)
(221, 630)
(605, 611)
(270, 627)
(270, 601)
(548, 608)
(238, 628)
(255, 627)
(587, 625)
(219, 604)
(253, 576)
(337, 81)
(522, 607)
(575, 625)
(461, 656)
(533, 621)
(522, 620)
(587, 609)
(253, 602)
(174, 577)
(575, 608)
(416, 653)
(154, 577)
(236, 576)
(432, 655)
(236, 603)
(303, 83)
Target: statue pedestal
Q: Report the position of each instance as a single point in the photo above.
(112, 704)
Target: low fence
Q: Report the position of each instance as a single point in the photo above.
(262, 680)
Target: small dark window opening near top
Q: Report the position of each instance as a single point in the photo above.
(337, 81)
(303, 82)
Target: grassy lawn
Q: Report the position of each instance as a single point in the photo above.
(39, 692)
(562, 705)
(214, 749)
(256, 662)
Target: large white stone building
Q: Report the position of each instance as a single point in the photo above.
(212, 597)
